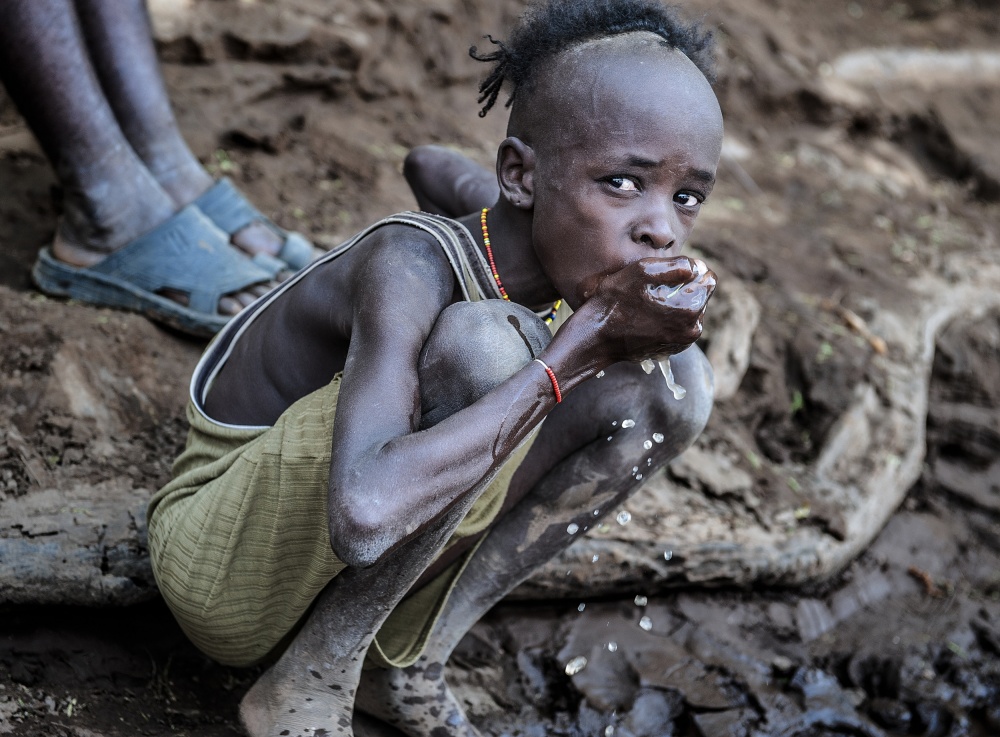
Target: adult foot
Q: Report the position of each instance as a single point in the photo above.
(188, 182)
(94, 227)
(415, 700)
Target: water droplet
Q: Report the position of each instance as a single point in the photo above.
(649, 461)
(594, 559)
(573, 528)
(635, 470)
(623, 517)
(581, 607)
(628, 423)
(668, 554)
(600, 374)
(576, 665)
(646, 623)
(658, 437)
(604, 527)
(612, 647)
(609, 438)
(609, 731)
(640, 600)
(648, 444)
(614, 424)
(638, 477)
(597, 512)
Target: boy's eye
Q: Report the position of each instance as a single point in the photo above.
(625, 184)
(687, 199)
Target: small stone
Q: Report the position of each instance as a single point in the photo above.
(576, 665)
(782, 664)
(646, 623)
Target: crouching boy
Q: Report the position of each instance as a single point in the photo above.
(368, 470)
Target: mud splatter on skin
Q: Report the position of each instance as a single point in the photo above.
(516, 324)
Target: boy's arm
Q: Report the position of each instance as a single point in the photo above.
(388, 481)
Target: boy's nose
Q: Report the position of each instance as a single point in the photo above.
(658, 229)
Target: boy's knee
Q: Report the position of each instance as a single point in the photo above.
(474, 347)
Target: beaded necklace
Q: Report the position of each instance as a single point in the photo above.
(496, 275)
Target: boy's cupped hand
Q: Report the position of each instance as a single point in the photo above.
(653, 307)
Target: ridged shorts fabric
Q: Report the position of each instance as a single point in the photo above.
(240, 542)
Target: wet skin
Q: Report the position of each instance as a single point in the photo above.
(595, 209)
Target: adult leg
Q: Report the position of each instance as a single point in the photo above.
(313, 684)
(573, 474)
(120, 42)
(110, 197)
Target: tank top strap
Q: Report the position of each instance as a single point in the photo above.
(467, 261)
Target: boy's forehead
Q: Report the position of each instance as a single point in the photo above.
(620, 83)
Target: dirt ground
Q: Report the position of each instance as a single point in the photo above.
(832, 192)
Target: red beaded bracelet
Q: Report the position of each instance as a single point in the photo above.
(552, 378)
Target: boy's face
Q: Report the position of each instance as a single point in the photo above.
(625, 161)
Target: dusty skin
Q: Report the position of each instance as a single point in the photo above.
(817, 198)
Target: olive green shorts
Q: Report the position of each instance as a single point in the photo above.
(240, 542)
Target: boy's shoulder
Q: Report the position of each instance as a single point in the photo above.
(418, 249)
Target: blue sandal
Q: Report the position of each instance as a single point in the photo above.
(186, 254)
(226, 206)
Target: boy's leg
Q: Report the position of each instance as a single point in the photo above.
(313, 684)
(119, 39)
(572, 474)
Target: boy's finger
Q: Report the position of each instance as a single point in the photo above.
(675, 270)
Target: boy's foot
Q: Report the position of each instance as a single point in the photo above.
(284, 705)
(415, 700)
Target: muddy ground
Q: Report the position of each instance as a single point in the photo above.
(835, 193)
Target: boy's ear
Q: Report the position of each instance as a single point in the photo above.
(516, 172)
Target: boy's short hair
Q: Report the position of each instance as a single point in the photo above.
(545, 29)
